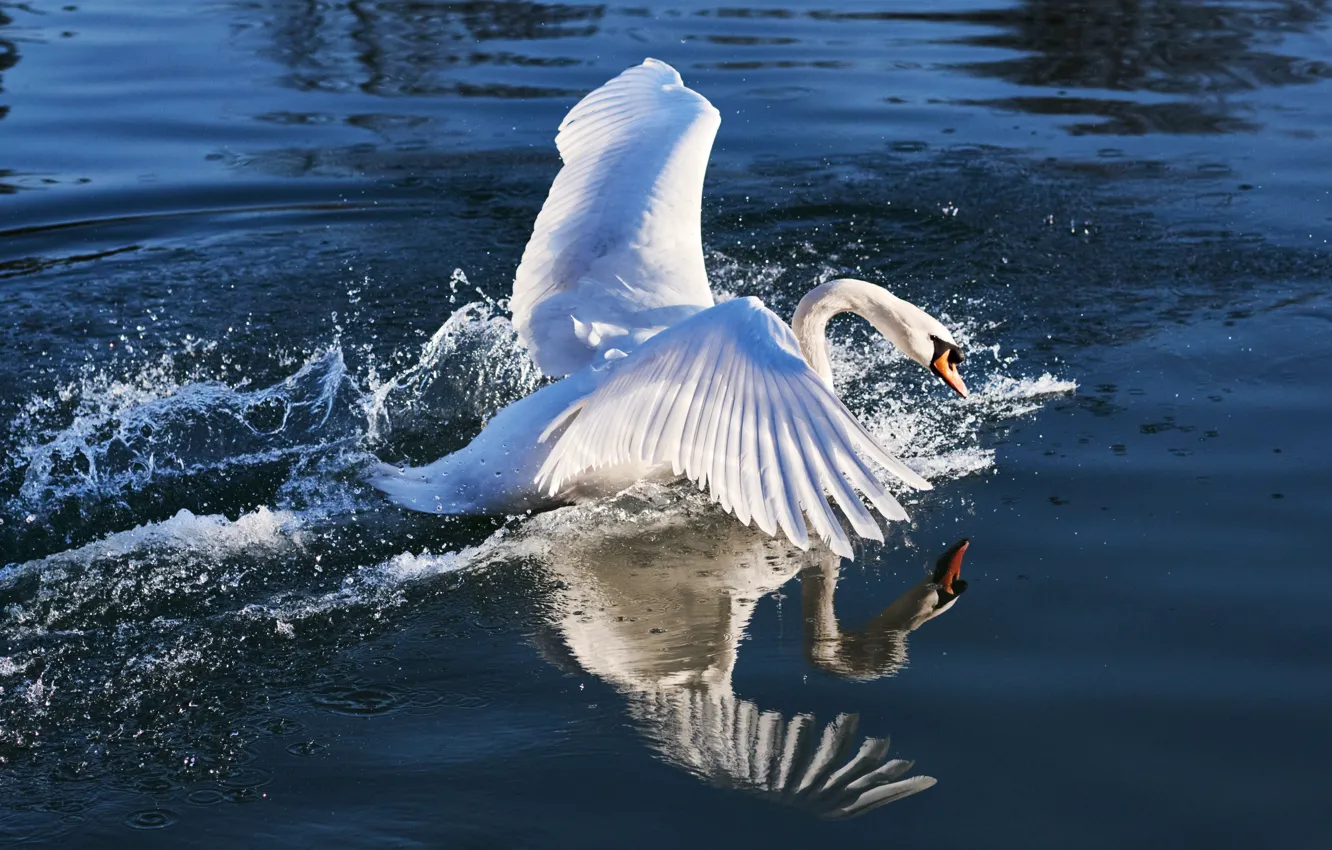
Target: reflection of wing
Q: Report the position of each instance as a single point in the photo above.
(730, 742)
(616, 248)
(728, 400)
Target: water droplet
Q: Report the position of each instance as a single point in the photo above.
(354, 700)
(246, 777)
(151, 819)
(307, 748)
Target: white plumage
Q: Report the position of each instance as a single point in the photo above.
(616, 249)
(612, 291)
(726, 399)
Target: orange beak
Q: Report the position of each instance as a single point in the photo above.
(948, 371)
(953, 569)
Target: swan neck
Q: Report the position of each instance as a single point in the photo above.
(821, 303)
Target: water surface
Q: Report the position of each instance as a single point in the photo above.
(246, 247)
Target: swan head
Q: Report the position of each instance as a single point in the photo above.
(914, 332)
(925, 340)
(944, 362)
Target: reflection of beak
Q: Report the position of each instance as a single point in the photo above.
(948, 570)
(948, 371)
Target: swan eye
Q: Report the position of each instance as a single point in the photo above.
(944, 364)
(955, 355)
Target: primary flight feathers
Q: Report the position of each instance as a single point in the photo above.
(726, 399)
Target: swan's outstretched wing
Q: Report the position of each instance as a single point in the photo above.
(726, 398)
(616, 249)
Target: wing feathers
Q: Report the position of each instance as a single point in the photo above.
(750, 489)
(725, 398)
(625, 207)
(830, 479)
(812, 484)
(825, 477)
(731, 458)
(786, 470)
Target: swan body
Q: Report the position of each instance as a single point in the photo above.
(661, 381)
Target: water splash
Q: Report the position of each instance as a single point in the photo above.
(487, 369)
(935, 432)
(123, 435)
(106, 447)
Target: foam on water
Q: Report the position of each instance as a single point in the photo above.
(377, 587)
(102, 437)
(184, 535)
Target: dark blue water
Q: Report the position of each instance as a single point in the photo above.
(245, 248)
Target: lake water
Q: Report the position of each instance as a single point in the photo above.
(246, 246)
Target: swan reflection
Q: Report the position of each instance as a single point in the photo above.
(657, 607)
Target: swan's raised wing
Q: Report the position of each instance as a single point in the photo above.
(616, 250)
(726, 398)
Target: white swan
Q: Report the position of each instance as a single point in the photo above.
(612, 292)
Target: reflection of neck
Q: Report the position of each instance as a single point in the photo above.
(878, 649)
(820, 304)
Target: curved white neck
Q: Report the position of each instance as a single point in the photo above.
(886, 312)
